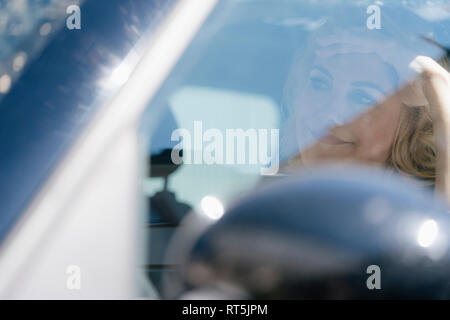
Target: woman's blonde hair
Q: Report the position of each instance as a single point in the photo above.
(413, 151)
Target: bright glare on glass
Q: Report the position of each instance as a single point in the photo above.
(119, 76)
(5, 83)
(212, 207)
(46, 28)
(122, 72)
(427, 233)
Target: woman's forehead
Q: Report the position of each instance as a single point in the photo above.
(348, 67)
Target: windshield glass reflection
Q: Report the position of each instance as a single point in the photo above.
(354, 95)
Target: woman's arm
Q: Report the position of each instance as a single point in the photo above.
(435, 83)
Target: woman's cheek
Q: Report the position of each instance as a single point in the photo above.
(377, 132)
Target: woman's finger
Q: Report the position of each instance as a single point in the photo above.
(436, 87)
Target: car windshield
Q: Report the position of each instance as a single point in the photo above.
(268, 86)
(54, 79)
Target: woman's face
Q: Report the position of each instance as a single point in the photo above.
(334, 109)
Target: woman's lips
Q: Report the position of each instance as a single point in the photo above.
(333, 140)
(329, 138)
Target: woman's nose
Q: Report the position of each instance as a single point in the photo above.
(333, 120)
(343, 112)
(338, 111)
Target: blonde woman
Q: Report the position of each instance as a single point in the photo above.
(407, 129)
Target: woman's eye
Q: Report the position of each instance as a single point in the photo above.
(320, 83)
(361, 97)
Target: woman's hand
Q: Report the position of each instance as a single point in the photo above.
(434, 86)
